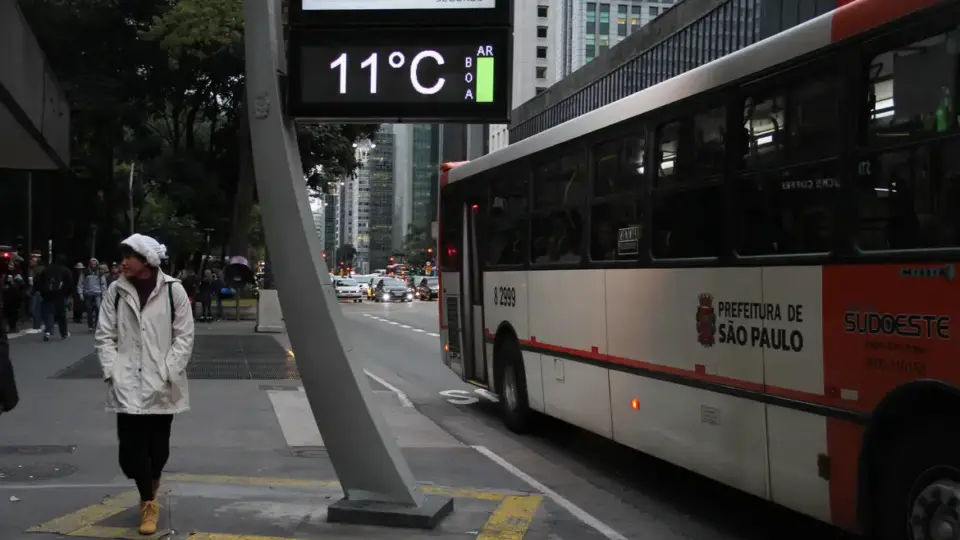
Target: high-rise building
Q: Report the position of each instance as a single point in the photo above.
(554, 38)
(362, 179)
(537, 55)
(331, 221)
(426, 175)
(379, 166)
(402, 183)
(594, 27)
(319, 224)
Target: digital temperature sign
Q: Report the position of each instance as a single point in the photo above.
(402, 75)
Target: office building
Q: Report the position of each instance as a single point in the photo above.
(537, 55)
(379, 167)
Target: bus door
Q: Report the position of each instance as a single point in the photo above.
(475, 362)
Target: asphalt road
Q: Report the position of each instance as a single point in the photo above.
(636, 495)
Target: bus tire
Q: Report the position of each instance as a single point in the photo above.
(514, 405)
(919, 483)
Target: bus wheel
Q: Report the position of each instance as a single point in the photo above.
(513, 391)
(920, 487)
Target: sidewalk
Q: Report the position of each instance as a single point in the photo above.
(247, 461)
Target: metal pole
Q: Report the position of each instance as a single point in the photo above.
(130, 196)
(29, 212)
(362, 449)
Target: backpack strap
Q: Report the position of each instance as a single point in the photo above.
(173, 310)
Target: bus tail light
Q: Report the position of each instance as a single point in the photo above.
(446, 347)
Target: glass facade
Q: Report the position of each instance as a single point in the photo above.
(426, 172)
(380, 168)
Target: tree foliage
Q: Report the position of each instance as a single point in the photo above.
(160, 83)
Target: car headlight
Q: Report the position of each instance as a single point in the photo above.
(409, 295)
(386, 295)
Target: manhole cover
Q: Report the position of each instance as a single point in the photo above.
(37, 450)
(35, 472)
(305, 452)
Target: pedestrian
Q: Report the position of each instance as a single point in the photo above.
(207, 290)
(144, 341)
(36, 269)
(90, 286)
(8, 385)
(14, 289)
(76, 306)
(55, 285)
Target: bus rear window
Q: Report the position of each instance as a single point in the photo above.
(451, 230)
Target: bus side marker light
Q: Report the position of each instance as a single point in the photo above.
(446, 347)
(635, 404)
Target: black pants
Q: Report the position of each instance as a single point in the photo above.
(144, 448)
(11, 311)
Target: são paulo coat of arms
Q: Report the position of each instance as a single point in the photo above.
(706, 320)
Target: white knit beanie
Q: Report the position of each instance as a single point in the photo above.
(148, 248)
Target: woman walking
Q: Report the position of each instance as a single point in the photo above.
(144, 341)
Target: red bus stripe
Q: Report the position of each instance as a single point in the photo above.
(856, 16)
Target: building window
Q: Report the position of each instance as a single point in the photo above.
(591, 18)
(591, 47)
(654, 11)
(540, 90)
(604, 19)
(622, 20)
(541, 52)
(541, 31)
(541, 72)
(604, 44)
(541, 11)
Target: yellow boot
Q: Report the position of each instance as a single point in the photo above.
(149, 517)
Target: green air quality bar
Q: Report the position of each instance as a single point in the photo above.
(485, 79)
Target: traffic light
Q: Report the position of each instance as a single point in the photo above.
(430, 251)
(324, 254)
(391, 260)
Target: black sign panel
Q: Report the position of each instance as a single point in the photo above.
(446, 13)
(411, 74)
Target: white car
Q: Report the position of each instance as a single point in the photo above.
(348, 289)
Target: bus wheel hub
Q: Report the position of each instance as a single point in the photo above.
(936, 512)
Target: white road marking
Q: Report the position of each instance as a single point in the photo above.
(401, 325)
(404, 400)
(566, 504)
(459, 397)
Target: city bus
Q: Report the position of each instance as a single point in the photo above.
(748, 270)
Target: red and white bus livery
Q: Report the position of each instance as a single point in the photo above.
(748, 270)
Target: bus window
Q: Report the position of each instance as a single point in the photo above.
(619, 166)
(787, 211)
(451, 229)
(688, 222)
(907, 199)
(764, 130)
(912, 89)
(508, 220)
(559, 181)
(813, 118)
(606, 221)
(709, 141)
(668, 144)
(557, 237)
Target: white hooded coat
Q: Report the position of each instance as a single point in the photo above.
(144, 354)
